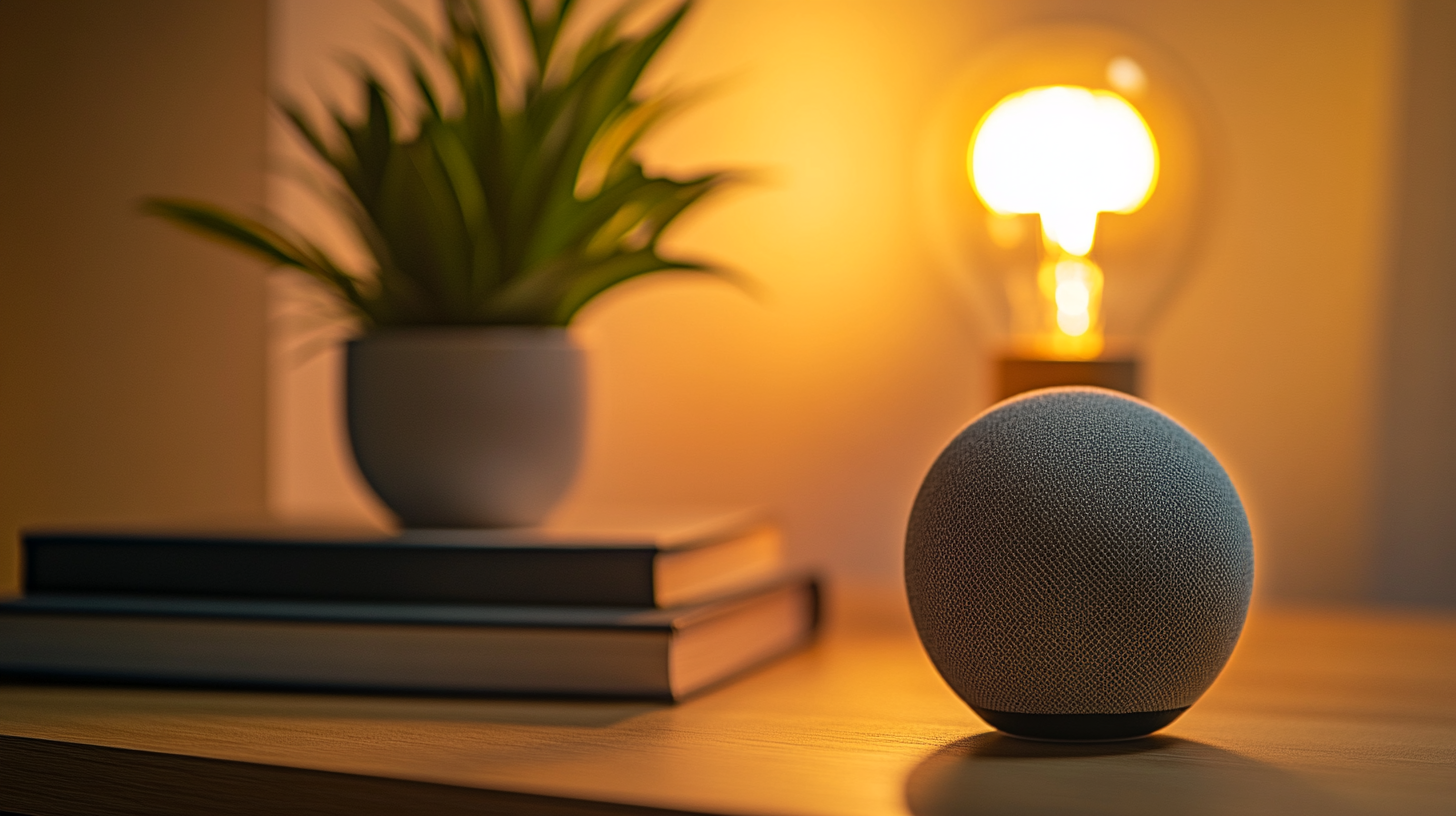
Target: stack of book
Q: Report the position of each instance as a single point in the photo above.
(647, 610)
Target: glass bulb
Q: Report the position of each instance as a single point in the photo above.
(1061, 153)
(1065, 153)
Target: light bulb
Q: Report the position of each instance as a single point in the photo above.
(1065, 153)
(1061, 153)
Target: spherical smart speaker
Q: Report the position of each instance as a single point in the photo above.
(1078, 566)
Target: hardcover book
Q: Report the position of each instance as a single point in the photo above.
(663, 559)
(438, 648)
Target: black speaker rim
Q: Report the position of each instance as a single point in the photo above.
(1079, 727)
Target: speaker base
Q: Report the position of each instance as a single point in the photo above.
(1078, 727)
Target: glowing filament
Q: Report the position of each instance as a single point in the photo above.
(1073, 296)
(1072, 290)
(1065, 153)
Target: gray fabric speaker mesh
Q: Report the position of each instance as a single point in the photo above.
(1076, 551)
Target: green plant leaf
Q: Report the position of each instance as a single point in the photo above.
(475, 210)
(592, 281)
(261, 241)
(228, 228)
(310, 135)
(419, 217)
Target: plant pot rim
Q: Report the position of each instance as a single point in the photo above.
(530, 336)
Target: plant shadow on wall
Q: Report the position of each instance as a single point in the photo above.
(493, 210)
(995, 774)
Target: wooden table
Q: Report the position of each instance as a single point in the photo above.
(1319, 712)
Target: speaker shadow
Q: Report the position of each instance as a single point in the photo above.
(995, 775)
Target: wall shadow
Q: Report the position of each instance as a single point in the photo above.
(992, 774)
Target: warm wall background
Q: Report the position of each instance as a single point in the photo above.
(131, 356)
(1269, 354)
(828, 399)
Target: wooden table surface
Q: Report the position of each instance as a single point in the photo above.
(1318, 712)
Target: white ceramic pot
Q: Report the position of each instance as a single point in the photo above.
(467, 426)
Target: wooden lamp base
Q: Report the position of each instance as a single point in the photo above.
(1019, 374)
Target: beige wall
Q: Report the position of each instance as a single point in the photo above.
(131, 355)
(829, 399)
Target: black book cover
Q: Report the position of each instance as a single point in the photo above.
(609, 566)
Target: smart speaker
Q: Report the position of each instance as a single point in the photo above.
(1078, 566)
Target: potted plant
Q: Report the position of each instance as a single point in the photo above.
(490, 225)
